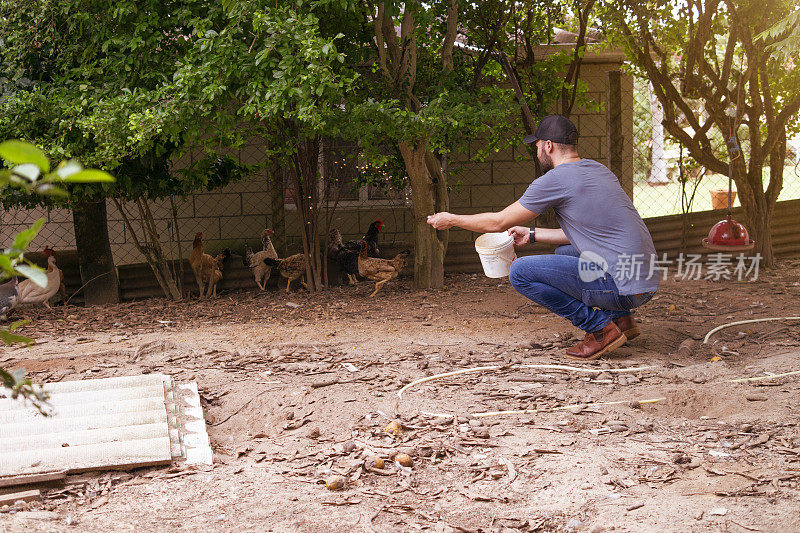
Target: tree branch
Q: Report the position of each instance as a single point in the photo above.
(450, 37)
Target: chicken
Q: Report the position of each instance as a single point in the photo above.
(291, 268)
(380, 270)
(207, 269)
(371, 236)
(255, 261)
(9, 292)
(30, 293)
(346, 259)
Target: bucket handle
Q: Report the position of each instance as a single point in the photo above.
(509, 261)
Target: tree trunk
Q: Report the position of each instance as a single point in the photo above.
(150, 247)
(277, 207)
(306, 195)
(658, 165)
(98, 273)
(429, 244)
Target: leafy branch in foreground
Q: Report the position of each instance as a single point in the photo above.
(28, 169)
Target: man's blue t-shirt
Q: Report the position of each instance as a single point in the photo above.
(597, 216)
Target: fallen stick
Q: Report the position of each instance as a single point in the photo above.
(760, 378)
(25, 495)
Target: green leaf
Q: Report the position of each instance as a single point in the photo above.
(12, 338)
(19, 152)
(90, 175)
(17, 324)
(48, 189)
(24, 238)
(33, 273)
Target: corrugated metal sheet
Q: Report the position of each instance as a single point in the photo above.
(95, 424)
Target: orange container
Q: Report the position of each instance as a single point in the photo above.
(719, 198)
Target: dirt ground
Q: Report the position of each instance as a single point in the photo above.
(300, 387)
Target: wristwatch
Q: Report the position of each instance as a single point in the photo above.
(532, 237)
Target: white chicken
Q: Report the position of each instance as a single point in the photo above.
(30, 293)
(255, 261)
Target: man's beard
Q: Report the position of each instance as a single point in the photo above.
(546, 163)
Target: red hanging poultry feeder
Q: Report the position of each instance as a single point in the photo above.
(728, 236)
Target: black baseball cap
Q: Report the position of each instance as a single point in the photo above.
(555, 128)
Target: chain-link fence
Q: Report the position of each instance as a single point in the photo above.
(351, 195)
(667, 180)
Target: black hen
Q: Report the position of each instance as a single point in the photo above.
(346, 258)
(371, 236)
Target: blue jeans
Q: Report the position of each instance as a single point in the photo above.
(552, 281)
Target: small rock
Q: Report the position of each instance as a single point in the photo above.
(349, 446)
(756, 398)
(334, 483)
(573, 524)
(746, 428)
(403, 459)
(274, 353)
(480, 432)
(577, 409)
(425, 451)
(617, 427)
(375, 462)
(681, 458)
(313, 433)
(718, 511)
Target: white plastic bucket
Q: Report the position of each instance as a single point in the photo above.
(496, 251)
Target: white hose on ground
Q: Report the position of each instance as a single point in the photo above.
(498, 367)
(708, 335)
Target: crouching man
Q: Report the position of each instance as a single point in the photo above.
(603, 270)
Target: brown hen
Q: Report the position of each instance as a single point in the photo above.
(380, 270)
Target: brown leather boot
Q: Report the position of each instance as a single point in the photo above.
(596, 344)
(627, 325)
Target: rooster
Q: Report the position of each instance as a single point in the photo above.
(255, 261)
(291, 268)
(347, 259)
(30, 293)
(371, 236)
(380, 270)
(207, 269)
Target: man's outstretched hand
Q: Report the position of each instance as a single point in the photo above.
(443, 220)
(520, 234)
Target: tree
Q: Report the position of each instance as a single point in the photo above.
(715, 82)
(95, 81)
(265, 70)
(452, 94)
